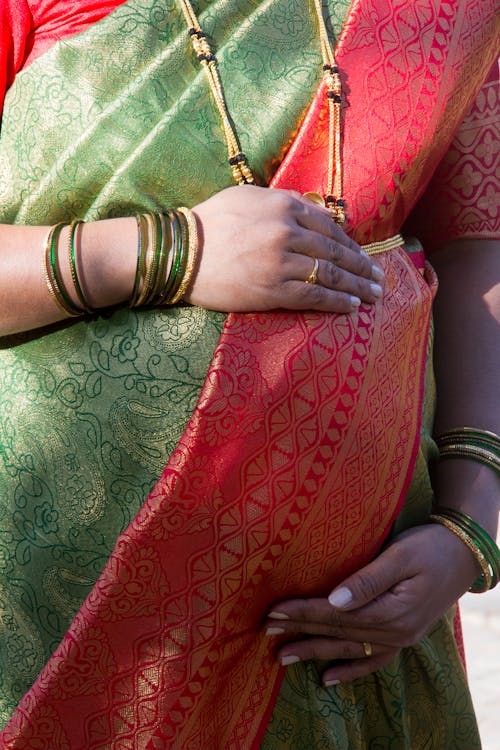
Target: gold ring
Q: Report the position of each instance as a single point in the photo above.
(367, 648)
(313, 276)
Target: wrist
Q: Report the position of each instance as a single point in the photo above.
(108, 253)
(470, 488)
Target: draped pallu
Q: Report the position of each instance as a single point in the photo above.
(299, 452)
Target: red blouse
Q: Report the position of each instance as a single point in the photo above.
(29, 27)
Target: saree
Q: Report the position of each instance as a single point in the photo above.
(289, 440)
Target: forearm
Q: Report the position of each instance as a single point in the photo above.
(467, 362)
(107, 255)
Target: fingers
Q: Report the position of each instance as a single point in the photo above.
(316, 617)
(317, 219)
(376, 578)
(337, 251)
(355, 668)
(323, 238)
(332, 277)
(351, 659)
(325, 649)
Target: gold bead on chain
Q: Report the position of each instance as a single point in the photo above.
(242, 174)
(240, 169)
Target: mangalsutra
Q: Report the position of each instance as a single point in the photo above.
(238, 162)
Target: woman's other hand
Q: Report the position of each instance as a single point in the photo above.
(390, 603)
(258, 247)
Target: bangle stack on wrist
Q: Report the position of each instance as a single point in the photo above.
(167, 250)
(166, 257)
(471, 443)
(478, 541)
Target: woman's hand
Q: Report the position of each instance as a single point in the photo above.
(258, 247)
(390, 603)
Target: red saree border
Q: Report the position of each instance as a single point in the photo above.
(169, 599)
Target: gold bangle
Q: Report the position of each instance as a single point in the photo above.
(478, 555)
(141, 262)
(73, 266)
(150, 259)
(49, 248)
(376, 248)
(192, 253)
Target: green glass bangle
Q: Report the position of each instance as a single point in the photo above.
(141, 261)
(178, 286)
(163, 266)
(472, 435)
(471, 443)
(173, 280)
(74, 271)
(471, 452)
(160, 257)
(175, 237)
(54, 282)
(480, 537)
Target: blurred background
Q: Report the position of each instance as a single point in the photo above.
(481, 626)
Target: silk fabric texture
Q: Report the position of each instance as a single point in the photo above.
(92, 180)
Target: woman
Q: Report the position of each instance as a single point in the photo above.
(291, 441)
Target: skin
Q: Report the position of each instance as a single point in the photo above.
(394, 600)
(257, 248)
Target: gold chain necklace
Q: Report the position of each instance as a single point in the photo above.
(241, 171)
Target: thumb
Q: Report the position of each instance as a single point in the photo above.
(367, 584)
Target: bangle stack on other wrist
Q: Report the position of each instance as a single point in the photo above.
(484, 447)
(471, 443)
(478, 541)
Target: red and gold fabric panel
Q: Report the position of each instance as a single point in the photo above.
(463, 198)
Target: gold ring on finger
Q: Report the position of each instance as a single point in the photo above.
(313, 276)
(367, 648)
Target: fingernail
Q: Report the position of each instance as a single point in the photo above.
(376, 290)
(377, 274)
(329, 683)
(278, 616)
(355, 301)
(290, 659)
(340, 597)
(274, 631)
